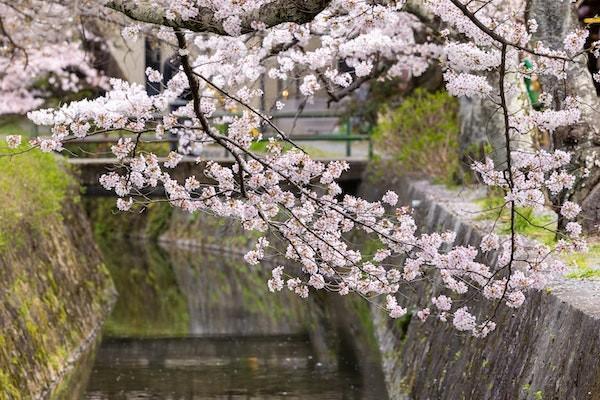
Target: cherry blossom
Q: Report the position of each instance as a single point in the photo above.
(570, 210)
(13, 141)
(292, 201)
(463, 320)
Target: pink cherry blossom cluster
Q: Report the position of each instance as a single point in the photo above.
(372, 40)
(38, 45)
(289, 198)
(18, 94)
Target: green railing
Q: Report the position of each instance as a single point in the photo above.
(344, 135)
(331, 137)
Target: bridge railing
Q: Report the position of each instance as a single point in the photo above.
(299, 139)
(343, 135)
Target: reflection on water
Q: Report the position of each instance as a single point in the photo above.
(150, 301)
(217, 368)
(190, 325)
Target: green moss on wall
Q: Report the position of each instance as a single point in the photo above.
(209, 230)
(159, 216)
(362, 310)
(107, 221)
(150, 302)
(55, 292)
(110, 223)
(8, 391)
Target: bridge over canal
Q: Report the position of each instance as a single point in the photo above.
(327, 136)
(356, 150)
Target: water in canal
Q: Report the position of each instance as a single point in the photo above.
(194, 325)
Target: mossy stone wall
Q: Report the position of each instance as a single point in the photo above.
(55, 288)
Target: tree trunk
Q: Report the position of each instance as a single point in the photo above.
(555, 20)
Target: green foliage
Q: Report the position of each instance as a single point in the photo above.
(540, 227)
(261, 147)
(584, 273)
(421, 135)
(371, 245)
(365, 113)
(33, 186)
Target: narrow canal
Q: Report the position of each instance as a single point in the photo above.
(196, 325)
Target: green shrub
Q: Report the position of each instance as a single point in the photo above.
(421, 135)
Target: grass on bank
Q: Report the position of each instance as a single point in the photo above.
(534, 225)
(539, 227)
(33, 186)
(584, 263)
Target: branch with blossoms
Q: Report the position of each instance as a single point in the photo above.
(293, 201)
(244, 17)
(32, 33)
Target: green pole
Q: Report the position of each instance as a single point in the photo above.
(532, 94)
(348, 133)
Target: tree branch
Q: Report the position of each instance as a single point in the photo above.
(271, 14)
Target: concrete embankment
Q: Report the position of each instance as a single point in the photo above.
(55, 289)
(547, 349)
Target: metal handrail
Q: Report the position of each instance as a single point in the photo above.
(298, 138)
(345, 135)
(335, 137)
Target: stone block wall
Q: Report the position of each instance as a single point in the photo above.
(55, 294)
(547, 349)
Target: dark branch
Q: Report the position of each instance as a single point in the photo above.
(271, 14)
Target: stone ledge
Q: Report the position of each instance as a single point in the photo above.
(581, 294)
(550, 347)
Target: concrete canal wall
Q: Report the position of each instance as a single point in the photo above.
(55, 290)
(547, 349)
